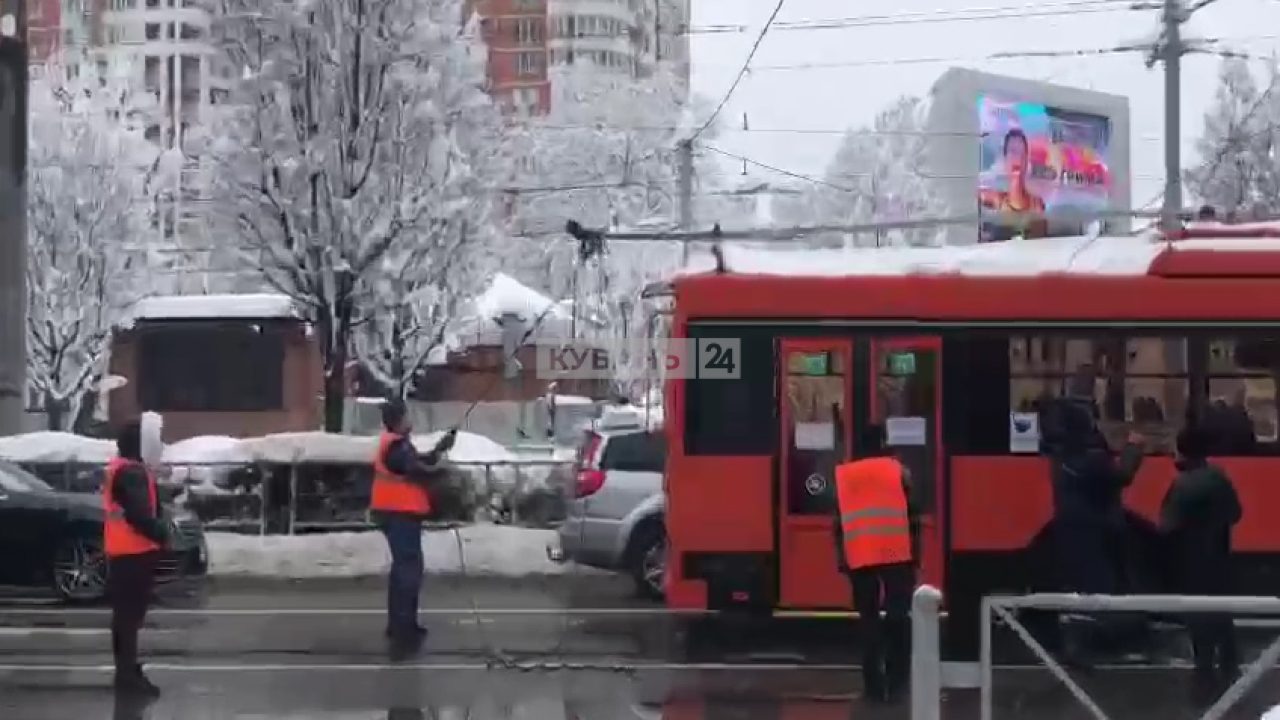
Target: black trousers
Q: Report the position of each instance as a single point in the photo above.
(1213, 643)
(886, 642)
(130, 580)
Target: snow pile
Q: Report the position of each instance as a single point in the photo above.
(1070, 255)
(312, 447)
(493, 550)
(258, 306)
(56, 447)
(482, 322)
(204, 464)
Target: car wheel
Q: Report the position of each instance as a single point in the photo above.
(80, 570)
(649, 560)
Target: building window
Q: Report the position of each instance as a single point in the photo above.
(528, 63)
(222, 366)
(153, 3)
(528, 31)
(153, 31)
(190, 32)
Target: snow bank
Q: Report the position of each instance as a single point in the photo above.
(253, 306)
(493, 550)
(190, 462)
(319, 447)
(1115, 256)
(56, 447)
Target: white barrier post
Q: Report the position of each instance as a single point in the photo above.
(926, 657)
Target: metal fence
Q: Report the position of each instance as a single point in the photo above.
(1002, 609)
(306, 497)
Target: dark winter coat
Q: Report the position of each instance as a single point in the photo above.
(1196, 519)
(131, 492)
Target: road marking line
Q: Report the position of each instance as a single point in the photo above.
(549, 665)
(11, 632)
(322, 612)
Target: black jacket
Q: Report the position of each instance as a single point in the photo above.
(1088, 479)
(131, 492)
(1196, 518)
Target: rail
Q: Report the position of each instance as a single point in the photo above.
(1002, 608)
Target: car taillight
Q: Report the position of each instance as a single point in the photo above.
(589, 482)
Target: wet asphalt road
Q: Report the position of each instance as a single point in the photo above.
(578, 648)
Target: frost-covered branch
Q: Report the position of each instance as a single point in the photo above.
(355, 148)
(87, 180)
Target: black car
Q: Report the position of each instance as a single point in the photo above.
(53, 540)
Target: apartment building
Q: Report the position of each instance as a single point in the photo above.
(515, 32)
(44, 30)
(167, 43)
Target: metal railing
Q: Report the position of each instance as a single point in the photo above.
(1002, 608)
(279, 498)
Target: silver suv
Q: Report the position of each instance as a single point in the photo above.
(615, 521)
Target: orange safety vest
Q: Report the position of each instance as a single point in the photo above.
(392, 492)
(118, 536)
(875, 527)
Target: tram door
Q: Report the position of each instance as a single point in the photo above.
(907, 382)
(815, 385)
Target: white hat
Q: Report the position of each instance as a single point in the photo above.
(1272, 714)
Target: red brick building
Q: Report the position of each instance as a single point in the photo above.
(44, 30)
(515, 32)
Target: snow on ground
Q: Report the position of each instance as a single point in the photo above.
(494, 550)
(251, 306)
(55, 447)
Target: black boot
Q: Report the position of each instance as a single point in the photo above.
(134, 684)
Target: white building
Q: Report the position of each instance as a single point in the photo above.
(625, 36)
(167, 46)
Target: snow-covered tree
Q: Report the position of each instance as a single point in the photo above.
(356, 157)
(87, 178)
(606, 156)
(1237, 171)
(877, 175)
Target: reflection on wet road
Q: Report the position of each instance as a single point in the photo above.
(587, 652)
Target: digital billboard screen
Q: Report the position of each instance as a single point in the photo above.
(1041, 168)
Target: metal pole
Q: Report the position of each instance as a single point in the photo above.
(1173, 50)
(686, 192)
(985, 689)
(13, 214)
(926, 658)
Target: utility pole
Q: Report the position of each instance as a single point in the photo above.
(13, 214)
(1173, 52)
(686, 191)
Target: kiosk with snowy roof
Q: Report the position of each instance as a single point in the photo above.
(224, 365)
(954, 351)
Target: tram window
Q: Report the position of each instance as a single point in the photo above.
(734, 417)
(1244, 373)
(1140, 383)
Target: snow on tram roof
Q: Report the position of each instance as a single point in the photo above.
(1100, 256)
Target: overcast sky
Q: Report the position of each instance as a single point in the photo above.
(778, 95)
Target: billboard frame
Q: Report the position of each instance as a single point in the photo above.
(954, 137)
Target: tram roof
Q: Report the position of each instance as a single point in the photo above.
(1199, 251)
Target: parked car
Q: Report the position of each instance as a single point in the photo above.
(51, 539)
(616, 520)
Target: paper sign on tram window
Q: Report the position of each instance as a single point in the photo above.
(906, 430)
(1024, 432)
(815, 436)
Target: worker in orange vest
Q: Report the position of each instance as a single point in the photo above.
(875, 539)
(134, 533)
(399, 502)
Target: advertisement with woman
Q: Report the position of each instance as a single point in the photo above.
(1042, 169)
